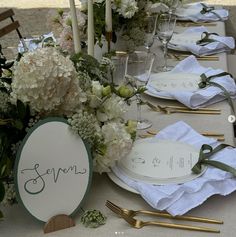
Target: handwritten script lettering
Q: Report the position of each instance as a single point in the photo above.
(37, 184)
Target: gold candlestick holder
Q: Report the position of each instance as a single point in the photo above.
(109, 39)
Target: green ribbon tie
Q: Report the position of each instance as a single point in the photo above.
(206, 152)
(205, 81)
(205, 38)
(207, 9)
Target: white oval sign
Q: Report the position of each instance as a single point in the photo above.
(53, 170)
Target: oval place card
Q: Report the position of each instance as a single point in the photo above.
(53, 170)
(160, 161)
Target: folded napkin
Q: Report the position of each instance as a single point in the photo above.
(193, 12)
(200, 97)
(178, 199)
(36, 42)
(187, 41)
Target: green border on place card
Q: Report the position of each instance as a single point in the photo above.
(15, 172)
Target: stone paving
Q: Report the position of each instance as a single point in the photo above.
(32, 16)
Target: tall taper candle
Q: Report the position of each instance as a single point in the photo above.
(75, 28)
(108, 16)
(90, 28)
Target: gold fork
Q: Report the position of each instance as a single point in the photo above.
(202, 58)
(187, 23)
(139, 224)
(120, 211)
(167, 110)
(218, 136)
(155, 108)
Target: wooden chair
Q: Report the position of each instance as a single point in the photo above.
(14, 25)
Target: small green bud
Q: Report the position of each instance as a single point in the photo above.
(131, 128)
(106, 91)
(125, 92)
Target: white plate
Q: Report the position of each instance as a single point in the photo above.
(162, 84)
(147, 92)
(160, 162)
(120, 183)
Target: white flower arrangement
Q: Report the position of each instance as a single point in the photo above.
(127, 8)
(127, 20)
(46, 83)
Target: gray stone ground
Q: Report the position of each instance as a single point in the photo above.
(32, 17)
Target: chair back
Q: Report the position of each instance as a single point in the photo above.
(14, 25)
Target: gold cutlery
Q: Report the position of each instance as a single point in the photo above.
(127, 215)
(157, 108)
(140, 224)
(201, 58)
(217, 136)
(169, 110)
(187, 23)
(186, 108)
(119, 210)
(219, 139)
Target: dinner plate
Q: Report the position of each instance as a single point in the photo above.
(162, 85)
(147, 92)
(120, 183)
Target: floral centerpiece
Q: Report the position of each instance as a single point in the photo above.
(127, 21)
(46, 83)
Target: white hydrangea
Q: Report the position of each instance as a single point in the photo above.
(81, 18)
(118, 144)
(96, 94)
(128, 8)
(65, 40)
(47, 81)
(112, 108)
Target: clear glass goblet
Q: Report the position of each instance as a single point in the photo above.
(139, 66)
(164, 31)
(119, 61)
(173, 5)
(149, 24)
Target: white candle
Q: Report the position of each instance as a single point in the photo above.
(108, 16)
(90, 28)
(75, 28)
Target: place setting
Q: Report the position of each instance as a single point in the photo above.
(175, 181)
(200, 42)
(201, 12)
(183, 83)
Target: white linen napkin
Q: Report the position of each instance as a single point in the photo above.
(187, 41)
(178, 199)
(193, 12)
(36, 42)
(201, 97)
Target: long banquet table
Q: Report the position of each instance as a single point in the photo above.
(19, 223)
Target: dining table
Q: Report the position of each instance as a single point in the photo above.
(18, 222)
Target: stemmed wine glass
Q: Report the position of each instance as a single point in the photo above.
(138, 71)
(173, 5)
(164, 30)
(149, 24)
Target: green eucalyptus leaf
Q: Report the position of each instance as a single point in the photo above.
(2, 191)
(3, 169)
(21, 109)
(18, 124)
